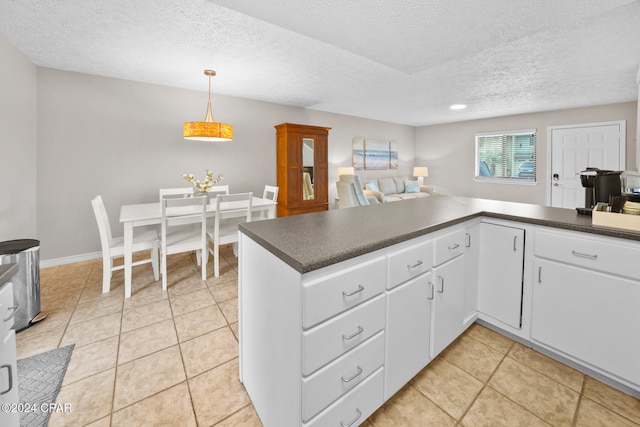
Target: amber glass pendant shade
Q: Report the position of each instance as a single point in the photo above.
(208, 130)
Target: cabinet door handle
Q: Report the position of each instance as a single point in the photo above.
(357, 291)
(515, 243)
(540, 274)
(14, 310)
(441, 281)
(583, 255)
(350, 423)
(468, 240)
(355, 334)
(430, 296)
(353, 377)
(10, 376)
(454, 247)
(417, 264)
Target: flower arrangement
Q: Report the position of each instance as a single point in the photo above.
(202, 187)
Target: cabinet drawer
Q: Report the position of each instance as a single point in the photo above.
(329, 295)
(329, 340)
(354, 407)
(410, 262)
(341, 375)
(611, 256)
(449, 246)
(7, 310)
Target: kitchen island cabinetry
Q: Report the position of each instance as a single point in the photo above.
(584, 309)
(337, 308)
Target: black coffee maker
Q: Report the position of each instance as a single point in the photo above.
(598, 186)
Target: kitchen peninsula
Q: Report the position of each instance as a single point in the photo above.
(339, 309)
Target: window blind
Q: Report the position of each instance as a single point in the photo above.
(506, 156)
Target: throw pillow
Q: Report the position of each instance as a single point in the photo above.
(372, 185)
(411, 187)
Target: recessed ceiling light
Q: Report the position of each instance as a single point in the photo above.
(458, 107)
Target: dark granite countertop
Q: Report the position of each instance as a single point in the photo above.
(312, 241)
(7, 271)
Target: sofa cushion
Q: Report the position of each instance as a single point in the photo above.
(387, 186)
(411, 187)
(399, 182)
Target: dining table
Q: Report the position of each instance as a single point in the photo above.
(142, 214)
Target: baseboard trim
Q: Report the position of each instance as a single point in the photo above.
(70, 259)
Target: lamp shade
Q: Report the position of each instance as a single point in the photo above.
(420, 171)
(345, 170)
(208, 130)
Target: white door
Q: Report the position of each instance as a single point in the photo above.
(573, 149)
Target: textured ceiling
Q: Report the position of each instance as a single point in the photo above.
(403, 61)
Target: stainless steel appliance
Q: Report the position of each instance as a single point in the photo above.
(598, 185)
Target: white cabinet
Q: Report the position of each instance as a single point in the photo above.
(500, 281)
(407, 332)
(8, 372)
(472, 270)
(447, 311)
(589, 315)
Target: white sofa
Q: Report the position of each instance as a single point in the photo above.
(394, 188)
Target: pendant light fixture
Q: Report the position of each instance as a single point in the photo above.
(208, 130)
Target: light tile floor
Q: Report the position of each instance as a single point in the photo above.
(171, 358)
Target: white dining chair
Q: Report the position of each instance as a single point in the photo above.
(113, 247)
(231, 210)
(270, 192)
(183, 229)
(218, 189)
(175, 191)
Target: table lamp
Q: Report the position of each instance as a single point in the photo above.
(421, 172)
(345, 170)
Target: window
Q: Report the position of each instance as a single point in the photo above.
(506, 156)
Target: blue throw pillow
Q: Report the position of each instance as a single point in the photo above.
(411, 187)
(372, 185)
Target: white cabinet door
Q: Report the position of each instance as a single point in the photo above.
(472, 271)
(590, 316)
(407, 332)
(448, 304)
(500, 275)
(8, 371)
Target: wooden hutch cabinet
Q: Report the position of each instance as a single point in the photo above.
(301, 168)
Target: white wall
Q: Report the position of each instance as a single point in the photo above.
(123, 140)
(18, 143)
(449, 149)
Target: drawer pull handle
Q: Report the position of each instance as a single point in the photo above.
(417, 264)
(582, 255)
(357, 291)
(468, 240)
(454, 247)
(441, 280)
(348, 380)
(14, 310)
(515, 243)
(430, 296)
(540, 274)
(355, 334)
(10, 376)
(350, 423)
